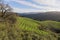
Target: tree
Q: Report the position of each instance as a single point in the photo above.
(6, 12)
(4, 8)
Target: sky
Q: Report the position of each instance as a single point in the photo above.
(22, 6)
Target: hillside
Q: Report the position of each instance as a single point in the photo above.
(29, 20)
(41, 16)
(28, 29)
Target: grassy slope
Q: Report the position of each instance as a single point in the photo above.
(28, 29)
(29, 25)
(51, 23)
(32, 25)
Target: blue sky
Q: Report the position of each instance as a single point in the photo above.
(34, 5)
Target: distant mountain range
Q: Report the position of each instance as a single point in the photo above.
(55, 16)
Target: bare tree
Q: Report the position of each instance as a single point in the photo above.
(4, 8)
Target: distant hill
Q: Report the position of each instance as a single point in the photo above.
(43, 16)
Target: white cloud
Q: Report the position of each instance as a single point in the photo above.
(20, 10)
(27, 3)
(50, 3)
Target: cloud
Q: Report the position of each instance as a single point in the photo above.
(20, 10)
(52, 5)
(26, 3)
(48, 2)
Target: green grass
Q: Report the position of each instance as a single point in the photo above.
(53, 24)
(30, 25)
(28, 29)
